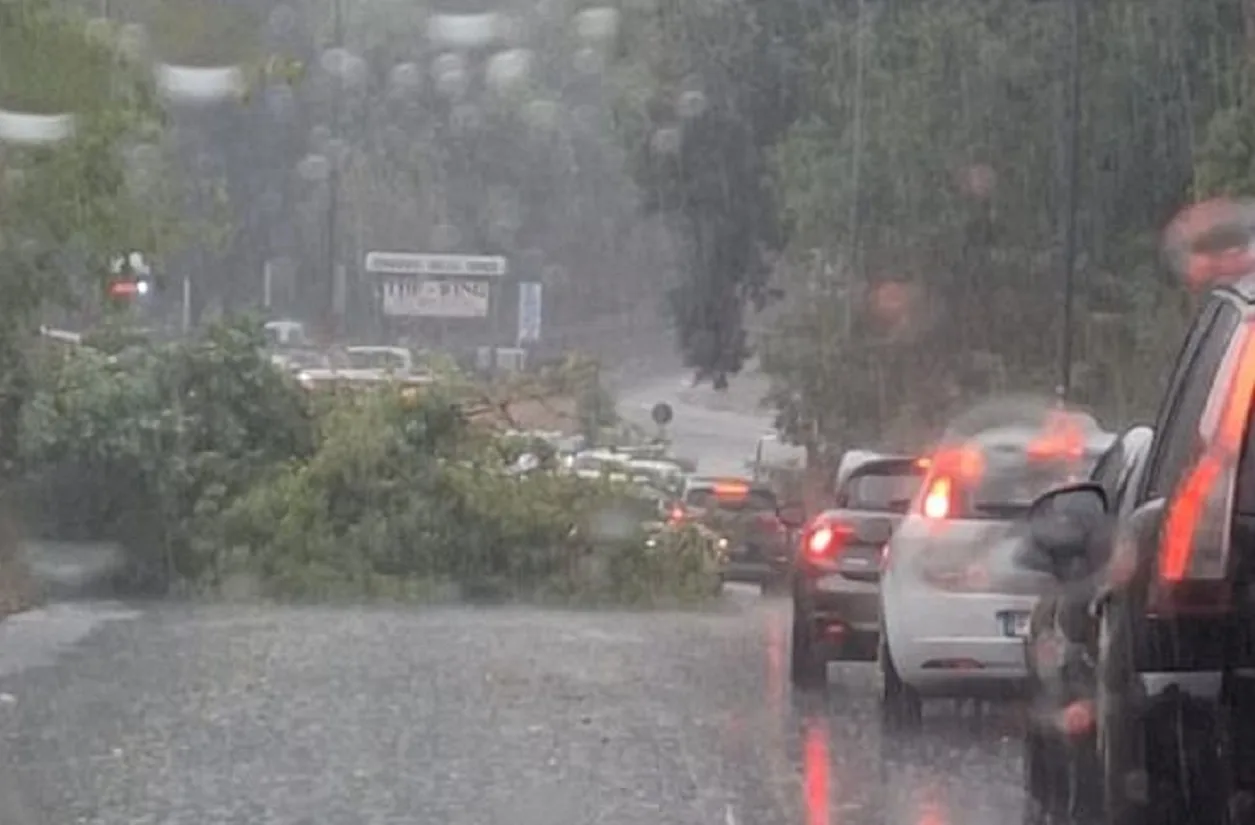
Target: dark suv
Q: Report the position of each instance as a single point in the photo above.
(1174, 615)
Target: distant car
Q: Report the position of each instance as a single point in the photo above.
(747, 515)
(836, 567)
(954, 602)
(389, 359)
(1062, 775)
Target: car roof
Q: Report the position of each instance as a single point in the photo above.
(703, 482)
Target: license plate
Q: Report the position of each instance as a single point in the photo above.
(1015, 624)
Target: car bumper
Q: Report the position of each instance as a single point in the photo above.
(753, 570)
(843, 614)
(946, 643)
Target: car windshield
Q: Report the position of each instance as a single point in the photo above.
(890, 492)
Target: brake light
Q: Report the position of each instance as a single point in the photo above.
(677, 514)
(1196, 538)
(826, 539)
(1062, 437)
(937, 499)
(959, 462)
(731, 489)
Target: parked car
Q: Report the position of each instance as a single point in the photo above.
(836, 567)
(954, 602)
(1061, 770)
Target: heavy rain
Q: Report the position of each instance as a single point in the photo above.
(627, 411)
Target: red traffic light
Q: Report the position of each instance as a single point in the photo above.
(127, 288)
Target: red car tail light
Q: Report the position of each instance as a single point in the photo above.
(826, 539)
(1195, 539)
(937, 498)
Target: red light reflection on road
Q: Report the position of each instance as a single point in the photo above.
(933, 809)
(775, 630)
(815, 765)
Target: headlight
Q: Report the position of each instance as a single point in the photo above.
(651, 542)
(722, 544)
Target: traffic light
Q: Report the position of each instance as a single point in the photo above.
(128, 288)
(131, 279)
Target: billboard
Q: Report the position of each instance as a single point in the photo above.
(436, 266)
(435, 298)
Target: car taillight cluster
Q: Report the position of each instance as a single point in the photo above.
(826, 539)
(1195, 537)
(937, 497)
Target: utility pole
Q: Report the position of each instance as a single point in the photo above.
(1072, 199)
(856, 163)
(334, 291)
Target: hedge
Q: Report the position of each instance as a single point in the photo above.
(211, 468)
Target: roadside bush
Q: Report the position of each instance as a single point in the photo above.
(218, 473)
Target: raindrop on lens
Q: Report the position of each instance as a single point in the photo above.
(34, 129)
(319, 136)
(406, 77)
(283, 20)
(464, 31)
(597, 25)
(542, 114)
(666, 141)
(507, 69)
(588, 61)
(337, 152)
(313, 168)
(691, 103)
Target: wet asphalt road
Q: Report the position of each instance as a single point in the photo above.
(222, 714)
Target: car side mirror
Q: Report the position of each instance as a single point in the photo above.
(1062, 521)
(792, 516)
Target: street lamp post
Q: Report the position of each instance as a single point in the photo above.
(1072, 198)
(334, 296)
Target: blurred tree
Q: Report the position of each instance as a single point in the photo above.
(959, 198)
(713, 86)
(65, 208)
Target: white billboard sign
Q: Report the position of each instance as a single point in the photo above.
(435, 299)
(436, 266)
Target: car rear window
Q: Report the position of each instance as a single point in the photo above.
(887, 492)
(1011, 481)
(751, 501)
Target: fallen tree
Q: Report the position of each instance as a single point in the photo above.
(217, 472)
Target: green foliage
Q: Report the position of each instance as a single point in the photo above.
(954, 196)
(707, 170)
(213, 467)
(148, 445)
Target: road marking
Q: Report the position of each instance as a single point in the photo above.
(729, 816)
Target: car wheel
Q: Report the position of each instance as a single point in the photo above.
(901, 707)
(807, 668)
